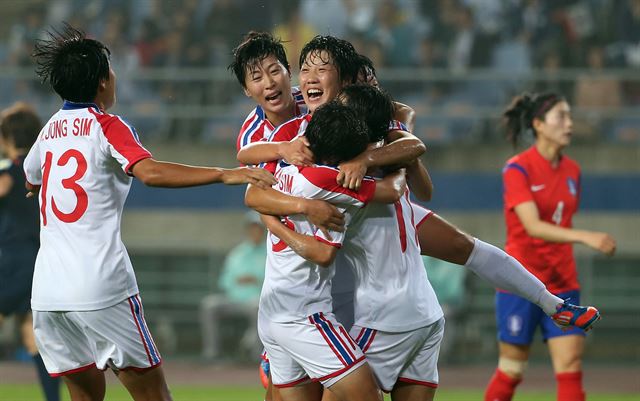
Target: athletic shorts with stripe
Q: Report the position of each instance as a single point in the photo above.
(314, 348)
(115, 337)
(410, 357)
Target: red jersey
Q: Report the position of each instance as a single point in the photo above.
(556, 192)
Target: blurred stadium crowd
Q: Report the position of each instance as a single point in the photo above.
(455, 61)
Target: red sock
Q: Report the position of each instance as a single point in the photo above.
(501, 387)
(570, 386)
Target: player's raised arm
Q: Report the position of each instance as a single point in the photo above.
(173, 175)
(377, 109)
(418, 177)
(391, 188)
(404, 114)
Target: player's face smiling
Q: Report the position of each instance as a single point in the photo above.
(319, 79)
(557, 125)
(269, 84)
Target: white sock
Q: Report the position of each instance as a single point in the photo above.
(505, 272)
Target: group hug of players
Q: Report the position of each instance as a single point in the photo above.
(346, 304)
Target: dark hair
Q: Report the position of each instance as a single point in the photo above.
(255, 47)
(519, 116)
(336, 134)
(342, 53)
(72, 64)
(372, 104)
(20, 124)
(365, 69)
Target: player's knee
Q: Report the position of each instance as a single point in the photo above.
(512, 367)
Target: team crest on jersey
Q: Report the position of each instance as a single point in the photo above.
(515, 325)
(573, 187)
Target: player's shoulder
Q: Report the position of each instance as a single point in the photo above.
(290, 128)
(320, 175)
(520, 162)
(570, 164)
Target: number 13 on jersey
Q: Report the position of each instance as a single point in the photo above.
(70, 183)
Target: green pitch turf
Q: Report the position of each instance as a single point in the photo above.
(15, 392)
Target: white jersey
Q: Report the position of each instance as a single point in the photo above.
(295, 288)
(392, 292)
(82, 159)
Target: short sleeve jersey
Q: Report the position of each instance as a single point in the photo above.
(295, 288)
(556, 192)
(392, 291)
(82, 159)
(256, 127)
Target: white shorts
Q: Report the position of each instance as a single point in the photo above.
(314, 348)
(410, 357)
(115, 337)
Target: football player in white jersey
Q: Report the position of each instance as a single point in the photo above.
(261, 67)
(296, 324)
(86, 306)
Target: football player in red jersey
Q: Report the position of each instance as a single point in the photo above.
(541, 195)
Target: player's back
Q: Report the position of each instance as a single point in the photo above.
(293, 286)
(81, 159)
(392, 292)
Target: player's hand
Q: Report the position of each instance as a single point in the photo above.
(324, 215)
(33, 190)
(351, 174)
(602, 242)
(296, 152)
(248, 175)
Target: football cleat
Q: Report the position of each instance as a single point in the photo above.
(575, 315)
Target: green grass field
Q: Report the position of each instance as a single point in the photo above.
(16, 392)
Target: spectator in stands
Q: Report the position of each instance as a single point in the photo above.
(595, 91)
(241, 282)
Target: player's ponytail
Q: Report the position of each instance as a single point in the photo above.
(519, 116)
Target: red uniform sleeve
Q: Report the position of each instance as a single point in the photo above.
(124, 145)
(325, 178)
(516, 185)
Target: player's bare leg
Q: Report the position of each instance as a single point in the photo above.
(329, 396)
(26, 331)
(566, 356)
(311, 391)
(442, 240)
(358, 385)
(514, 352)
(145, 385)
(88, 385)
(412, 392)
(566, 353)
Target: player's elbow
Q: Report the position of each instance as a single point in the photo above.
(149, 172)
(325, 256)
(533, 230)
(399, 188)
